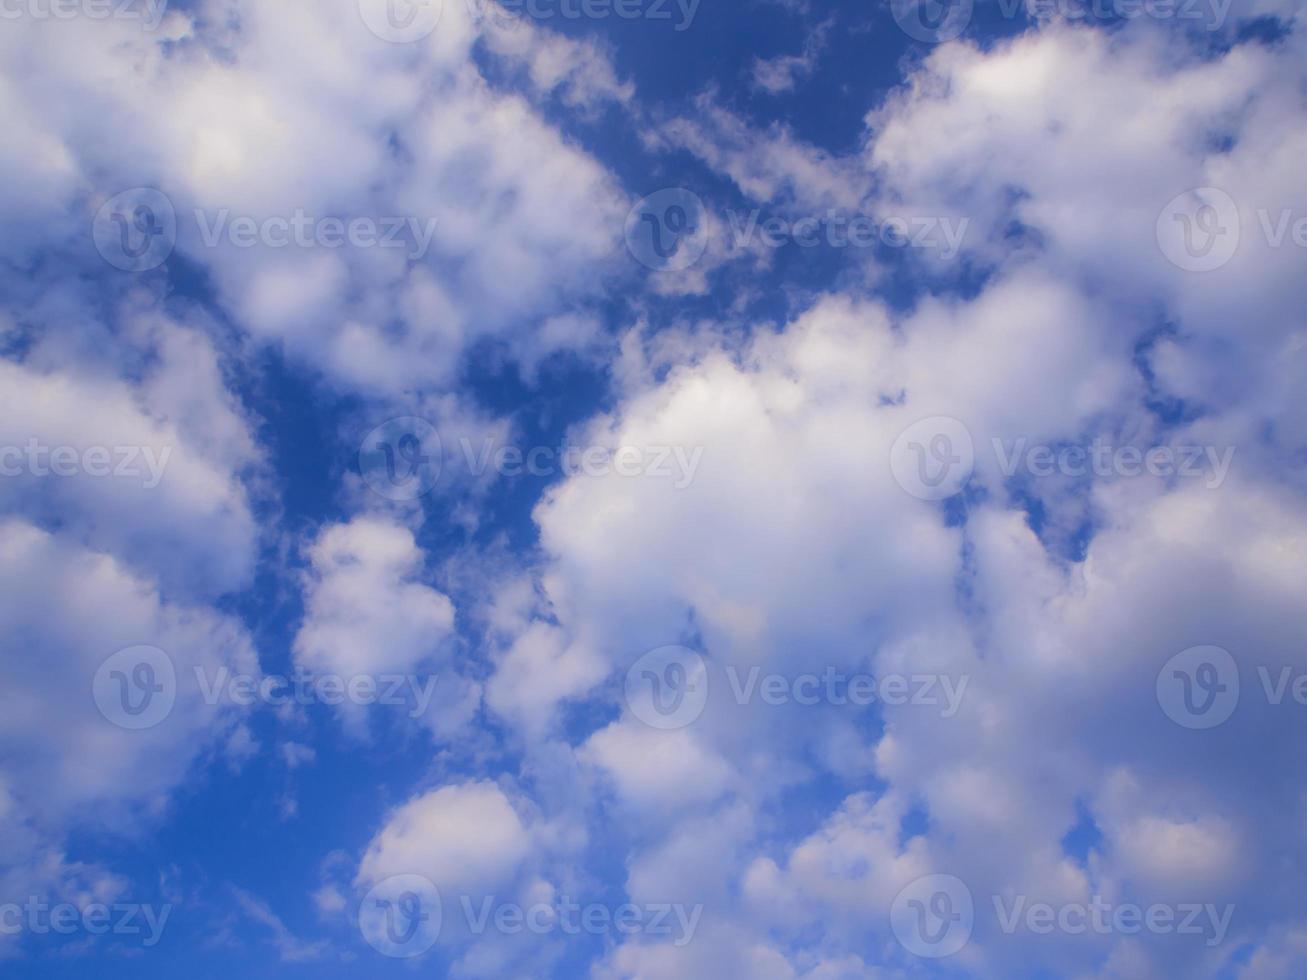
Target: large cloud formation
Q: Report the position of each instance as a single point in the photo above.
(1041, 607)
(1060, 779)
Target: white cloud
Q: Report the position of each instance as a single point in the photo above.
(366, 611)
(67, 765)
(794, 548)
(466, 839)
(158, 472)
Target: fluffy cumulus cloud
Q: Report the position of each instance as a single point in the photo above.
(379, 269)
(135, 473)
(150, 471)
(458, 837)
(368, 615)
(78, 753)
(795, 547)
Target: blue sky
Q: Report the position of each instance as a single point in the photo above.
(815, 487)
